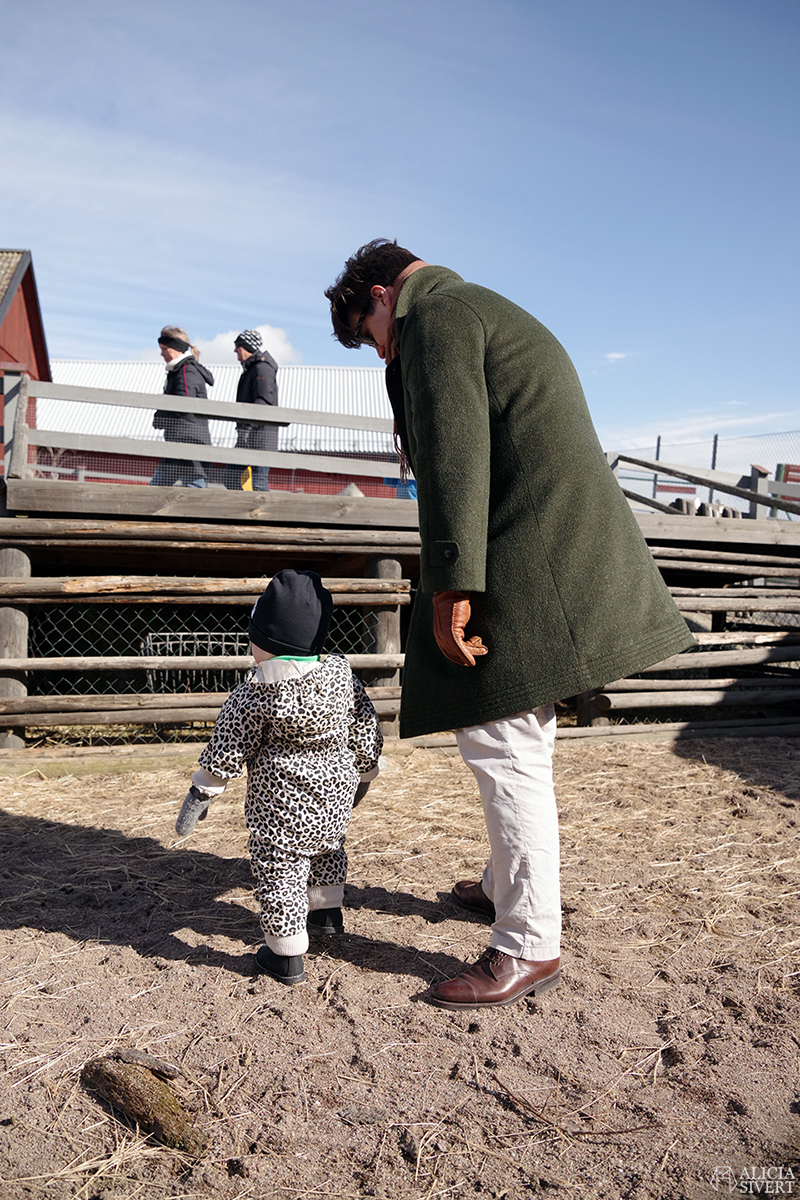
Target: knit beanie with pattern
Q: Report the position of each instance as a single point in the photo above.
(251, 340)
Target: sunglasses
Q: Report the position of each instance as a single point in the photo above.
(363, 339)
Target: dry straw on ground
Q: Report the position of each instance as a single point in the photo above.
(669, 1053)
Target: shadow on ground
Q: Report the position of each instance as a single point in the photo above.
(100, 885)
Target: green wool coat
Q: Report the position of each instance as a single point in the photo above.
(519, 507)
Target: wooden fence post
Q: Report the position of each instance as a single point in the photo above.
(17, 465)
(13, 642)
(387, 634)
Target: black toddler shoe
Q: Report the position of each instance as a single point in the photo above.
(325, 922)
(285, 968)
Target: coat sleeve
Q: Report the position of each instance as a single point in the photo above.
(442, 354)
(238, 734)
(364, 738)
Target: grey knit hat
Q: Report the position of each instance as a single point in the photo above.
(251, 340)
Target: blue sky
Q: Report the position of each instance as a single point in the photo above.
(627, 170)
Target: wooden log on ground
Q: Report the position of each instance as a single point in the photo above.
(754, 697)
(148, 1100)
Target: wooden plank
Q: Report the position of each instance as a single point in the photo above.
(175, 662)
(134, 716)
(173, 585)
(292, 535)
(35, 495)
(287, 460)
(220, 410)
(35, 705)
(693, 660)
(737, 592)
(649, 502)
(614, 701)
(719, 531)
(343, 600)
(138, 716)
(716, 479)
(725, 556)
(760, 727)
(17, 462)
(687, 604)
(742, 571)
(145, 700)
(666, 685)
(748, 638)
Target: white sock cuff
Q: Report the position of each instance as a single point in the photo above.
(329, 895)
(287, 946)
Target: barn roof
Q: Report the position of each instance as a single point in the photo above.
(22, 337)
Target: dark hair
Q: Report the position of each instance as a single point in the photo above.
(379, 261)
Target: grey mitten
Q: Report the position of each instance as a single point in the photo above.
(361, 792)
(193, 809)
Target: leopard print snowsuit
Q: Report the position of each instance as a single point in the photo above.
(306, 741)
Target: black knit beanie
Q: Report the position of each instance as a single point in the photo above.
(293, 614)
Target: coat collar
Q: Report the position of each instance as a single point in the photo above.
(426, 279)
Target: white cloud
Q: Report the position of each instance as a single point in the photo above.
(616, 356)
(219, 349)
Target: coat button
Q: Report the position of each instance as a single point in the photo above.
(448, 553)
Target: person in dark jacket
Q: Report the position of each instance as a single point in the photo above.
(525, 532)
(258, 385)
(185, 377)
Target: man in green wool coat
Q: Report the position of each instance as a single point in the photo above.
(527, 538)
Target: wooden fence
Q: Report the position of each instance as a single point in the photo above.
(19, 437)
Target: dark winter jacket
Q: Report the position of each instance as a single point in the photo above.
(185, 377)
(518, 506)
(258, 385)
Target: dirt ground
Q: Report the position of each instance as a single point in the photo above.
(665, 1065)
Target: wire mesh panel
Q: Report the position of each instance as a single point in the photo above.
(151, 630)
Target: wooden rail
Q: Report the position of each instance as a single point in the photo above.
(259, 414)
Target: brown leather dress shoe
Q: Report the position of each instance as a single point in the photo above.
(496, 979)
(471, 895)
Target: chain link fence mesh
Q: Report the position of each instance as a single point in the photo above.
(74, 630)
(733, 455)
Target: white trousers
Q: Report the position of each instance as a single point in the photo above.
(512, 761)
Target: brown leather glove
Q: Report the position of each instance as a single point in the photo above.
(451, 612)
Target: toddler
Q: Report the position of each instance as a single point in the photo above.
(310, 738)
